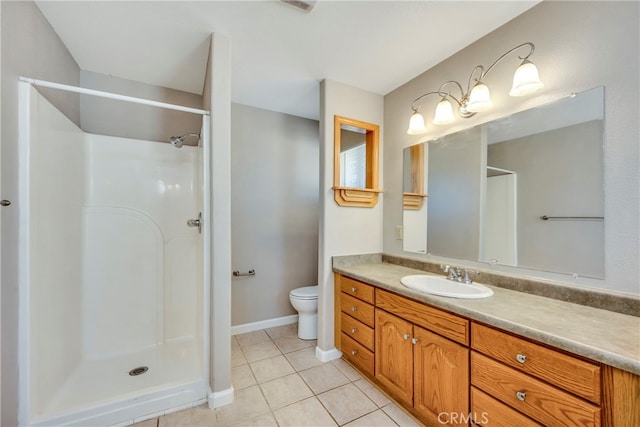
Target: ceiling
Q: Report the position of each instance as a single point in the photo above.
(279, 53)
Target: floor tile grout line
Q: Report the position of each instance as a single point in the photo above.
(348, 375)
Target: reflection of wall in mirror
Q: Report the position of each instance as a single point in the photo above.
(414, 223)
(353, 159)
(559, 174)
(456, 174)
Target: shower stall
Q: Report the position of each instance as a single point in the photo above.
(113, 283)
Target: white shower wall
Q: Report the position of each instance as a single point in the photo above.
(55, 177)
(112, 277)
(140, 258)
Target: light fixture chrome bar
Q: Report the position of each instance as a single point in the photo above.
(477, 96)
(531, 46)
(116, 96)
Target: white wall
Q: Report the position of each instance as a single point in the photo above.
(274, 210)
(343, 230)
(31, 48)
(579, 45)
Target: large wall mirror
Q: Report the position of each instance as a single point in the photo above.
(525, 190)
(356, 158)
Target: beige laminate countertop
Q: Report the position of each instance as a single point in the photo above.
(604, 336)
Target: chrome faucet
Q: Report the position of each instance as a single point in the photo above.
(467, 278)
(456, 274)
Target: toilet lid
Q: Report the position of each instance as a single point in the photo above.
(306, 292)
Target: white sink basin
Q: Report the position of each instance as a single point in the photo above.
(437, 285)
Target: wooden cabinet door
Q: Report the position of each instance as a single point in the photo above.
(394, 355)
(441, 378)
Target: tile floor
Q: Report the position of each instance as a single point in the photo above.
(279, 382)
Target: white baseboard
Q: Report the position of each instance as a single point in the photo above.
(328, 355)
(221, 398)
(264, 324)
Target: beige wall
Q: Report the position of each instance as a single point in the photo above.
(30, 48)
(274, 210)
(579, 45)
(343, 230)
(124, 119)
(217, 99)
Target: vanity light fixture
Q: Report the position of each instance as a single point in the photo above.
(477, 98)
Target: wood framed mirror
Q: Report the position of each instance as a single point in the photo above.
(356, 162)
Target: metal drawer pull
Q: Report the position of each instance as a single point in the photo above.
(405, 337)
(354, 308)
(354, 352)
(521, 395)
(521, 358)
(414, 340)
(354, 289)
(353, 330)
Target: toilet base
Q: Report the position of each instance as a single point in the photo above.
(308, 326)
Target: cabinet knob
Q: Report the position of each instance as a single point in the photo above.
(354, 308)
(5, 203)
(521, 395)
(414, 340)
(521, 358)
(354, 289)
(405, 337)
(353, 330)
(354, 352)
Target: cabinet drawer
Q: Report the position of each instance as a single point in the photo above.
(574, 375)
(357, 330)
(489, 412)
(438, 321)
(357, 354)
(357, 309)
(357, 289)
(540, 401)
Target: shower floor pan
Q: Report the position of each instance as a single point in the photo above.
(100, 382)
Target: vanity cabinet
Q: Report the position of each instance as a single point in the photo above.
(550, 387)
(354, 325)
(440, 365)
(419, 366)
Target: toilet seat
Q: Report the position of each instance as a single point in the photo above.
(305, 293)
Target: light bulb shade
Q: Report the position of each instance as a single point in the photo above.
(416, 124)
(525, 80)
(479, 98)
(444, 113)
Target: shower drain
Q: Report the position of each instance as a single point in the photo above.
(138, 371)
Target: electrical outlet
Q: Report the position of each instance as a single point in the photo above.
(399, 232)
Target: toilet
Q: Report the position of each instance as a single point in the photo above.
(305, 301)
